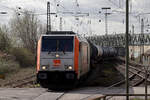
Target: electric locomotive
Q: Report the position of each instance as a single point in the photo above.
(62, 57)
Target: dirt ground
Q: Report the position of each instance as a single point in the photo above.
(23, 72)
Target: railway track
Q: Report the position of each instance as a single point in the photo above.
(136, 75)
(140, 73)
(30, 79)
(135, 71)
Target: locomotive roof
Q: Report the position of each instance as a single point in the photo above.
(60, 32)
(65, 33)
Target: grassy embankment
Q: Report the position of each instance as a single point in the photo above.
(16, 64)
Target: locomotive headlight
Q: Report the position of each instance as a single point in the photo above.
(44, 67)
(57, 55)
(70, 67)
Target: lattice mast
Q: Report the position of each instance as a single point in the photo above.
(48, 18)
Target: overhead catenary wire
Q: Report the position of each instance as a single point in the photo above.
(61, 6)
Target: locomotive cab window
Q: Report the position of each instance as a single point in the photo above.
(57, 43)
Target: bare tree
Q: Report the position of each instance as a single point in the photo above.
(27, 28)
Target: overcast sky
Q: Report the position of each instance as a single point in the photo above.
(85, 24)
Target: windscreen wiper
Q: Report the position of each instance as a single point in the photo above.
(49, 52)
(64, 51)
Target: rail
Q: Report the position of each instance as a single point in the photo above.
(21, 82)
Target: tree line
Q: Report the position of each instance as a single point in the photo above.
(22, 31)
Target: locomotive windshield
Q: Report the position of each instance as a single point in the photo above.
(57, 43)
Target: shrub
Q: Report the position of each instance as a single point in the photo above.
(7, 66)
(23, 56)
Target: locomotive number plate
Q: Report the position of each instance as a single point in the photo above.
(56, 62)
